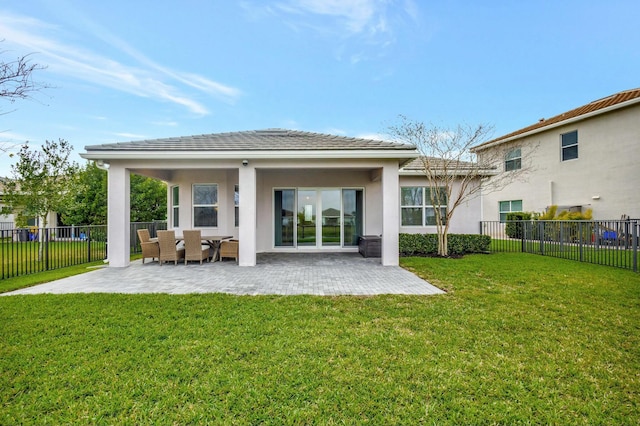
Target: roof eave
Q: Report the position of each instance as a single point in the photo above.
(249, 154)
(457, 173)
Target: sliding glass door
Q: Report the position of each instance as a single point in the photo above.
(353, 207)
(284, 223)
(307, 208)
(317, 218)
(331, 217)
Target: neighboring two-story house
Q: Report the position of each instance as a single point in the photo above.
(586, 158)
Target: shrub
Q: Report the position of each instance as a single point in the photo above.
(515, 229)
(427, 244)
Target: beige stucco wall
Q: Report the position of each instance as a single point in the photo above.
(275, 174)
(608, 167)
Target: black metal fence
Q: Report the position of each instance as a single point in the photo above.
(603, 242)
(31, 250)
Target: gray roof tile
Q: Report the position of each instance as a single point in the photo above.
(254, 140)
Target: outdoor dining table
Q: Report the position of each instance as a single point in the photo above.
(212, 241)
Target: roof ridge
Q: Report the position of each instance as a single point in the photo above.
(256, 140)
(614, 95)
(591, 107)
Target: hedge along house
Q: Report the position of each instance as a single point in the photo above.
(275, 190)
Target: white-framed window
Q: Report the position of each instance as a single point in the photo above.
(175, 206)
(205, 205)
(569, 145)
(508, 207)
(416, 207)
(236, 203)
(513, 160)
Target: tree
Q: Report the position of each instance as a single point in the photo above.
(43, 181)
(452, 171)
(16, 82)
(148, 199)
(89, 204)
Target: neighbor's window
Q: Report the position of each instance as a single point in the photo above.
(205, 205)
(569, 145)
(513, 160)
(417, 208)
(236, 203)
(508, 207)
(175, 204)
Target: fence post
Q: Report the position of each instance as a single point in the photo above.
(541, 229)
(89, 243)
(580, 245)
(635, 227)
(2, 253)
(46, 248)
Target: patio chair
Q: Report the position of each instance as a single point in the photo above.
(149, 246)
(168, 250)
(229, 248)
(193, 247)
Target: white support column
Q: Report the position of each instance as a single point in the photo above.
(247, 213)
(390, 214)
(118, 235)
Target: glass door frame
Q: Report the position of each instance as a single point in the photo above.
(318, 206)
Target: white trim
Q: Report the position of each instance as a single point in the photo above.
(248, 155)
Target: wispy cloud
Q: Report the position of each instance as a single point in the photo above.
(130, 135)
(165, 123)
(142, 77)
(373, 23)
(374, 136)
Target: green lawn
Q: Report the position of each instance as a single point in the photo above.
(519, 339)
(23, 258)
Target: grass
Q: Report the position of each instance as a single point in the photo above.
(611, 255)
(22, 258)
(16, 283)
(519, 339)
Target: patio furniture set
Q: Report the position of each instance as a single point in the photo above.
(191, 246)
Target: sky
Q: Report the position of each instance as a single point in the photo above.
(119, 71)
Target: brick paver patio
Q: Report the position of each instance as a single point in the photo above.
(324, 274)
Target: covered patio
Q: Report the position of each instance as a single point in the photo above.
(274, 190)
(321, 274)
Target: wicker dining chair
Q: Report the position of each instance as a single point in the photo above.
(229, 248)
(168, 250)
(193, 247)
(150, 248)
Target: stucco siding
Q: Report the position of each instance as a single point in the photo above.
(605, 177)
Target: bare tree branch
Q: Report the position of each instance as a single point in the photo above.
(453, 172)
(16, 78)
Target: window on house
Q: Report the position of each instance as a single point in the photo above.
(513, 160)
(175, 205)
(569, 145)
(236, 203)
(205, 205)
(416, 206)
(508, 207)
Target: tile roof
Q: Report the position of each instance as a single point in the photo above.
(254, 140)
(592, 107)
(417, 166)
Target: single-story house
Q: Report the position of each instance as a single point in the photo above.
(275, 190)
